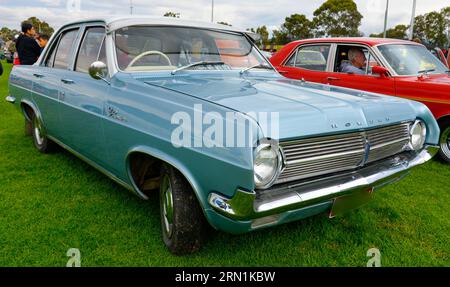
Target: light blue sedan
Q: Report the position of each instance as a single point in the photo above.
(195, 112)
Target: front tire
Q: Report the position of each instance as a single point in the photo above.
(40, 140)
(182, 221)
(444, 142)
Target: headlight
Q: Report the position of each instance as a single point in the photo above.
(267, 164)
(418, 135)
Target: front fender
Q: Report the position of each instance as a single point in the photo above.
(167, 158)
(424, 113)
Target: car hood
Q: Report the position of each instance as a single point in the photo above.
(304, 109)
(438, 79)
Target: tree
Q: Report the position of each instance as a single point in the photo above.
(337, 18)
(296, 27)
(41, 27)
(432, 27)
(264, 33)
(398, 32)
(224, 23)
(172, 14)
(279, 37)
(7, 34)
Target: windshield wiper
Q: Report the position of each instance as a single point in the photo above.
(202, 63)
(426, 72)
(259, 66)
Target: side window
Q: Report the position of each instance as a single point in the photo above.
(51, 55)
(91, 49)
(354, 60)
(102, 54)
(310, 58)
(65, 49)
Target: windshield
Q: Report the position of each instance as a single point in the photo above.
(411, 59)
(145, 48)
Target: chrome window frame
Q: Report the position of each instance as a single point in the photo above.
(116, 69)
(70, 61)
(294, 53)
(366, 46)
(84, 32)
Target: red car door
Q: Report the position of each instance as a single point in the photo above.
(383, 84)
(308, 62)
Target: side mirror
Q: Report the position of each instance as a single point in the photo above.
(382, 71)
(98, 70)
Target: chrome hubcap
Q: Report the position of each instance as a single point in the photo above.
(167, 205)
(445, 142)
(38, 132)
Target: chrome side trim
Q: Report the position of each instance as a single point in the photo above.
(251, 205)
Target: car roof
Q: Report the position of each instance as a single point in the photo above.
(357, 40)
(116, 22)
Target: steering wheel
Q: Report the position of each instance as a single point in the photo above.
(140, 56)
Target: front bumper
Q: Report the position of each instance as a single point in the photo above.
(270, 207)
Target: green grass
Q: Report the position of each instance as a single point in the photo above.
(50, 203)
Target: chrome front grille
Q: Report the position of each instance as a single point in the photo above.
(323, 155)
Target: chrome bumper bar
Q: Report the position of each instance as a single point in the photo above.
(251, 205)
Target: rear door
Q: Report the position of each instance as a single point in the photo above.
(46, 85)
(308, 62)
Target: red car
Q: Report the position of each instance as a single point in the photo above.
(438, 53)
(387, 66)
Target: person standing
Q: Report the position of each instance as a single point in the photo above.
(28, 48)
(42, 41)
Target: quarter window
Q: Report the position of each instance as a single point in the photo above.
(310, 58)
(51, 56)
(65, 49)
(91, 49)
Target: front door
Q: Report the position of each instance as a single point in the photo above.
(363, 79)
(82, 98)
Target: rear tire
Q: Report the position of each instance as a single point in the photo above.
(444, 142)
(182, 220)
(40, 140)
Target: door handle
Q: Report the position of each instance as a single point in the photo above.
(67, 81)
(333, 79)
(38, 75)
(283, 72)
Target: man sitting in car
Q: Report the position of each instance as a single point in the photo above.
(355, 64)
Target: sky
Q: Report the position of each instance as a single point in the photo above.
(239, 13)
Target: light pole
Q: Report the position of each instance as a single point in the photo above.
(212, 11)
(131, 7)
(413, 16)
(386, 18)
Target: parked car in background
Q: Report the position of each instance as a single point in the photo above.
(122, 93)
(266, 54)
(9, 56)
(16, 60)
(438, 53)
(393, 67)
